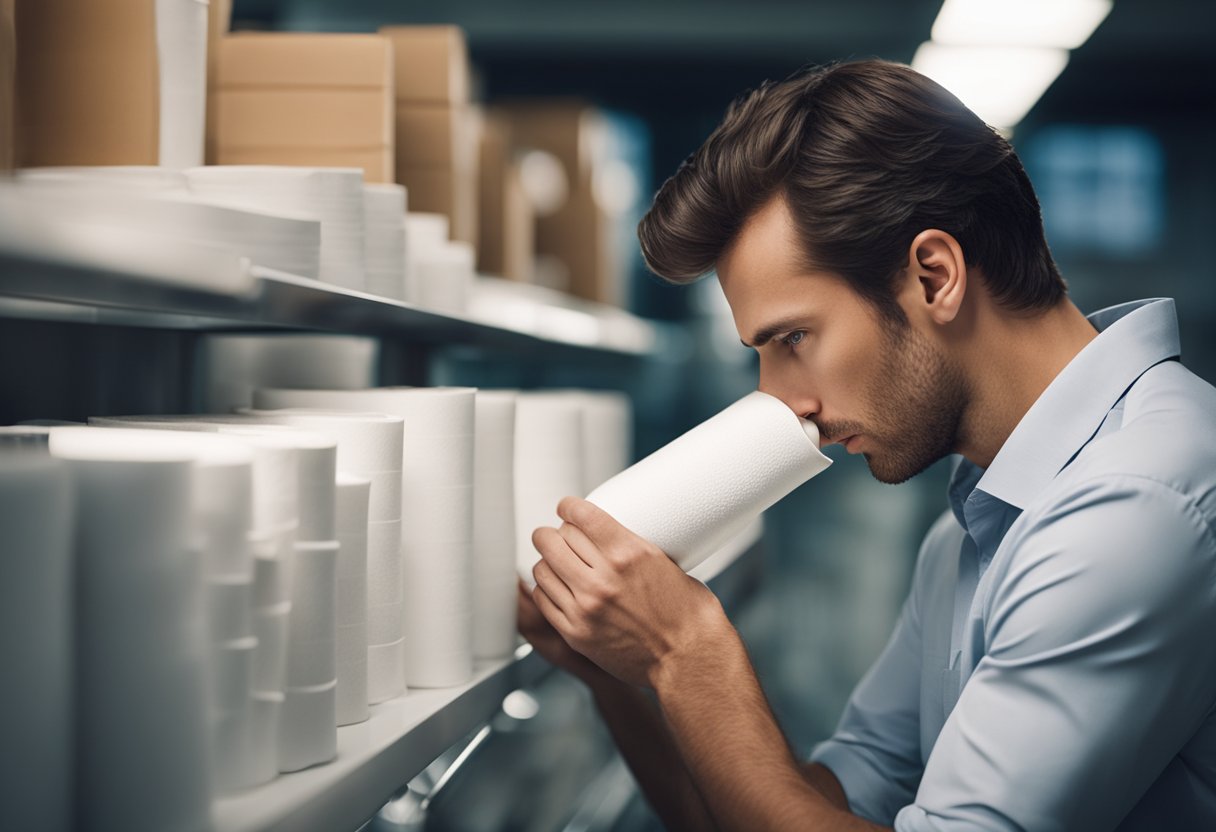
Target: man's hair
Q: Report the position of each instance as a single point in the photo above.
(867, 154)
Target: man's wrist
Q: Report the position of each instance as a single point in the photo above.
(713, 646)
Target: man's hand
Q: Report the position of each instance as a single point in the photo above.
(620, 601)
(549, 643)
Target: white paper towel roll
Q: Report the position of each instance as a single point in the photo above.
(142, 748)
(494, 625)
(607, 435)
(367, 442)
(36, 528)
(230, 608)
(351, 604)
(181, 50)
(267, 713)
(308, 731)
(232, 674)
(385, 671)
(548, 466)
(694, 493)
(270, 625)
(316, 471)
(311, 625)
(236, 365)
(384, 249)
(437, 479)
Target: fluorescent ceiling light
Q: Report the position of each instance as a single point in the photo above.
(1065, 24)
(999, 84)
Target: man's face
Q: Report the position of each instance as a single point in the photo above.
(881, 388)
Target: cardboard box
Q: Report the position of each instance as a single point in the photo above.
(87, 83)
(8, 82)
(449, 191)
(377, 163)
(432, 64)
(294, 59)
(506, 228)
(570, 130)
(321, 118)
(431, 135)
(306, 99)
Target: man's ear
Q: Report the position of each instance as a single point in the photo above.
(937, 264)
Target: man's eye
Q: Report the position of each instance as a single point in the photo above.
(794, 338)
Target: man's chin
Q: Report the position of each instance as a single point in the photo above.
(897, 472)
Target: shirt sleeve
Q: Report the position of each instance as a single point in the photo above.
(1099, 666)
(875, 751)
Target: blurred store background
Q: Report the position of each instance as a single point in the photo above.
(571, 116)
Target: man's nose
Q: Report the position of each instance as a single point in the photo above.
(797, 392)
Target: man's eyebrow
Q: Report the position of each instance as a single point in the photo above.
(769, 332)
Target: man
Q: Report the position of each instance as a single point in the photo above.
(1053, 667)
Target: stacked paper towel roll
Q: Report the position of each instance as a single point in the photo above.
(693, 494)
(548, 466)
(236, 365)
(36, 530)
(437, 500)
(147, 180)
(350, 609)
(384, 212)
(181, 52)
(370, 447)
(333, 196)
(494, 635)
(441, 272)
(308, 726)
(423, 232)
(141, 757)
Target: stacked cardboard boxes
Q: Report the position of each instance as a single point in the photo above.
(323, 100)
(507, 223)
(581, 233)
(436, 138)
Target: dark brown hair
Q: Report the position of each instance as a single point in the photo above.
(868, 155)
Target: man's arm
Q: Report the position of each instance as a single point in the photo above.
(670, 634)
(635, 723)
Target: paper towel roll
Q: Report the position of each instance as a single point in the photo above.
(607, 434)
(316, 469)
(311, 627)
(444, 276)
(548, 466)
(351, 603)
(231, 749)
(36, 528)
(266, 715)
(308, 731)
(142, 748)
(384, 249)
(693, 494)
(232, 674)
(236, 365)
(270, 626)
(385, 671)
(230, 608)
(367, 442)
(494, 625)
(384, 579)
(181, 51)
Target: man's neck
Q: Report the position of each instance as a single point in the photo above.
(1010, 367)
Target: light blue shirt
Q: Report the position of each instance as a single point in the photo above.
(1054, 666)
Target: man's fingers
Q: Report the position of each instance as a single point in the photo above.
(553, 547)
(601, 527)
(552, 584)
(581, 545)
(556, 618)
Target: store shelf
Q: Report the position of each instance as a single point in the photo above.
(38, 288)
(402, 736)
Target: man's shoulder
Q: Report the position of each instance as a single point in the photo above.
(1163, 452)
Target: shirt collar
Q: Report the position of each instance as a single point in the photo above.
(1132, 337)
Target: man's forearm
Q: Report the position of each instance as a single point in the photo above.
(736, 754)
(646, 743)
